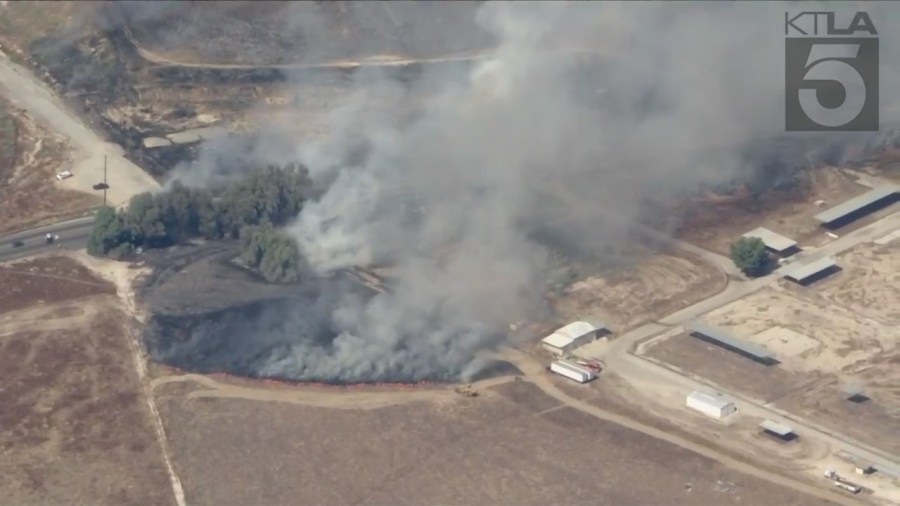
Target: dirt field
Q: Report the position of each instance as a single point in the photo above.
(869, 284)
(656, 286)
(76, 425)
(789, 214)
(29, 192)
(837, 335)
(455, 450)
(47, 281)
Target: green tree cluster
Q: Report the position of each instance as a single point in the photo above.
(249, 208)
(275, 256)
(750, 256)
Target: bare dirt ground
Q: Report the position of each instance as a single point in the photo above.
(76, 425)
(870, 284)
(656, 285)
(30, 195)
(447, 449)
(836, 335)
(787, 213)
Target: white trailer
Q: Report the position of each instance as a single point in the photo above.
(572, 371)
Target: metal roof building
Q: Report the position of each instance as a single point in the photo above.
(779, 430)
(572, 336)
(773, 241)
(714, 406)
(721, 338)
(808, 272)
(858, 206)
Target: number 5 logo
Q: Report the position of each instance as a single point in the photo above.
(827, 62)
(831, 84)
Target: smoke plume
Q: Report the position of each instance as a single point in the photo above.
(582, 113)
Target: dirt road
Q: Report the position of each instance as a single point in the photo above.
(535, 374)
(124, 177)
(639, 371)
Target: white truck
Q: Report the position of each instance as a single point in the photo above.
(66, 174)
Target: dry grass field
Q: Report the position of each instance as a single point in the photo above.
(652, 287)
(503, 447)
(30, 157)
(789, 214)
(76, 428)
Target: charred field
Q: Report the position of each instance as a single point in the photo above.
(206, 314)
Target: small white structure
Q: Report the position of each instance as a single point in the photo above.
(572, 371)
(714, 406)
(66, 174)
(571, 336)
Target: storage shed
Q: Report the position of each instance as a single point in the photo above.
(713, 406)
(573, 335)
(811, 271)
(777, 430)
(572, 371)
(775, 243)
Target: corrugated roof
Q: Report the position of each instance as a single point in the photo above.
(716, 401)
(557, 340)
(778, 428)
(799, 272)
(771, 239)
(726, 338)
(565, 335)
(856, 203)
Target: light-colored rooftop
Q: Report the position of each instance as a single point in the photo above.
(710, 400)
(565, 335)
(197, 134)
(772, 240)
(799, 272)
(839, 211)
(778, 428)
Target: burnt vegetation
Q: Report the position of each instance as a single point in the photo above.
(249, 208)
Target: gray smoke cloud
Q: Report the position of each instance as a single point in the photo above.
(601, 106)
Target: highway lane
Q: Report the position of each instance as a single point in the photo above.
(73, 234)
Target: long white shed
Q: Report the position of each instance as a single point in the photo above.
(714, 406)
(572, 371)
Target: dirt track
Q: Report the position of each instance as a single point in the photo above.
(534, 373)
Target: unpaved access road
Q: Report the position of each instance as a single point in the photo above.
(125, 179)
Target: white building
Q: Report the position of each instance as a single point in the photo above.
(714, 406)
(573, 335)
(572, 371)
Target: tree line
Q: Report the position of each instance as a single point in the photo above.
(249, 209)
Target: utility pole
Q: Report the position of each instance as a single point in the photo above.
(105, 186)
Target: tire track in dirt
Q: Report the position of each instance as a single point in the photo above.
(322, 397)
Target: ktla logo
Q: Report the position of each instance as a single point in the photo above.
(831, 73)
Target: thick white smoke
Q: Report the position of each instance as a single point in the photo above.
(611, 103)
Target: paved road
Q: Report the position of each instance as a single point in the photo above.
(27, 92)
(73, 234)
(619, 357)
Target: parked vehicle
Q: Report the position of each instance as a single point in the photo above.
(17, 244)
(66, 174)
